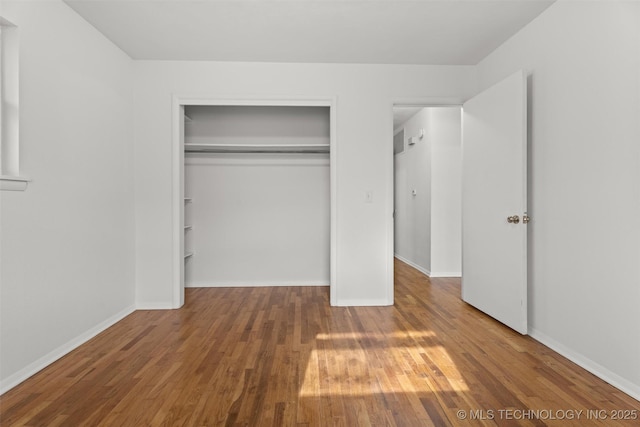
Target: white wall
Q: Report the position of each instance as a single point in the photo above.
(584, 160)
(364, 94)
(428, 224)
(445, 136)
(413, 212)
(258, 219)
(67, 253)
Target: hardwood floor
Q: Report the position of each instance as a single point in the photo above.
(284, 357)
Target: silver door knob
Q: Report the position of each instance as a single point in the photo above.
(515, 219)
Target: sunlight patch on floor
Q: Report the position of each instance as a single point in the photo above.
(356, 372)
(379, 336)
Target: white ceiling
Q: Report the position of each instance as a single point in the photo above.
(437, 32)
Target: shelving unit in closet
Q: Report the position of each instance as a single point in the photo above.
(187, 227)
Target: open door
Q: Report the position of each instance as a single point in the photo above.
(494, 202)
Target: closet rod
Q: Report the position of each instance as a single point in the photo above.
(246, 148)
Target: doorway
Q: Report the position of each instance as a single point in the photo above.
(493, 200)
(427, 150)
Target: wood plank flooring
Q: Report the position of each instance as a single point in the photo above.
(284, 357)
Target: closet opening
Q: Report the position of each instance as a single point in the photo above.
(427, 179)
(256, 192)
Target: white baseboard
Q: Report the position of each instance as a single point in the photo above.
(363, 303)
(596, 369)
(414, 265)
(154, 306)
(446, 274)
(253, 284)
(46, 360)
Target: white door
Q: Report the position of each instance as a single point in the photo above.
(494, 202)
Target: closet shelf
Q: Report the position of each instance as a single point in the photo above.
(188, 254)
(188, 227)
(188, 199)
(256, 148)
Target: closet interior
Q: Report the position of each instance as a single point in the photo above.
(257, 196)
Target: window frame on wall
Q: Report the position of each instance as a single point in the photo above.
(10, 178)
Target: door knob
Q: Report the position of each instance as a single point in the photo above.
(526, 219)
(515, 219)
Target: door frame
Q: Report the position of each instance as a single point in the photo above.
(424, 102)
(177, 166)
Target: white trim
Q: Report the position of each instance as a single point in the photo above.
(363, 303)
(390, 220)
(429, 101)
(177, 190)
(596, 369)
(177, 165)
(414, 265)
(10, 107)
(258, 284)
(154, 306)
(446, 274)
(46, 360)
(333, 190)
(249, 148)
(320, 160)
(284, 101)
(13, 183)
